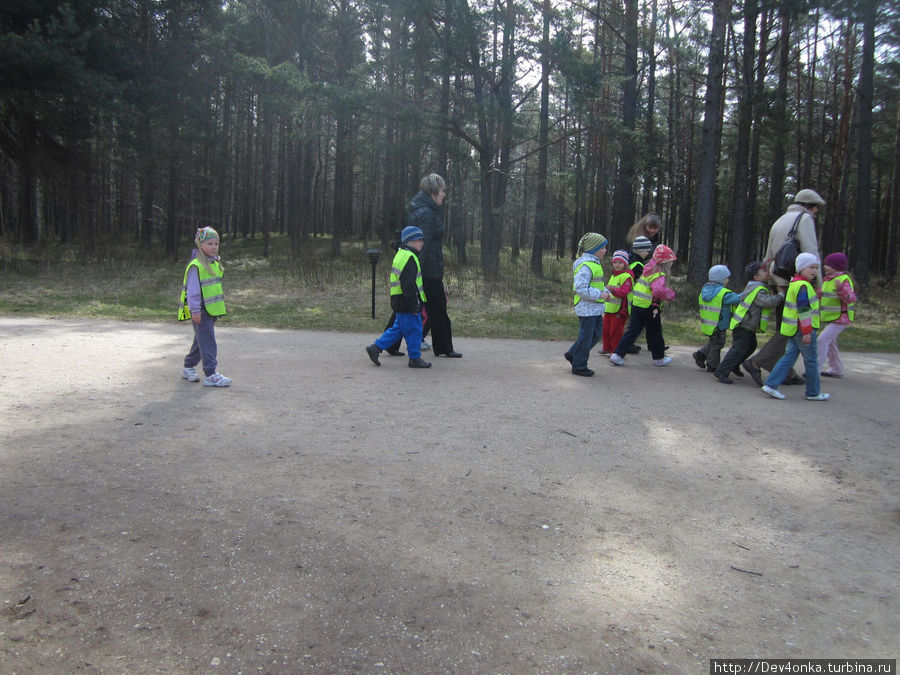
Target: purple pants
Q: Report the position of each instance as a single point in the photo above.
(204, 346)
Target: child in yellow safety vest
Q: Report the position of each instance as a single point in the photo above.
(590, 296)
(203, 302)
(799, 323)
(641, 248)
(650, 291)
(407, 300)
(751, 316)
(616, 312)
(715, 302)
(838, 300)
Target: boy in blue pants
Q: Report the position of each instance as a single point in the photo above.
(407, 300)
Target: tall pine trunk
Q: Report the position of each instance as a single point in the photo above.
(740, 235)
(780, 121)
(623, 199)
(704, 213)
(863, 232)
(541, 217)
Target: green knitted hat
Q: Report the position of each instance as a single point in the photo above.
(592, 242)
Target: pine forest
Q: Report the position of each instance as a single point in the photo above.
(137, 121)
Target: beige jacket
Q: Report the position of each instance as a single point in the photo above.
(806, 237)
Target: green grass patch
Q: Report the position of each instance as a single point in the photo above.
(314, 290)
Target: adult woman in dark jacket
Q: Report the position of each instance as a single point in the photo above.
(425, 213)
(648, 226)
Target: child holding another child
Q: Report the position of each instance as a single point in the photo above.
(751, 316)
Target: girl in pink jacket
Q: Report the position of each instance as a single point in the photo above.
(836, 312)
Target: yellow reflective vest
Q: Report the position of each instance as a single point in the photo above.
(210, 289)
(643, 294)
(400, 260)
(596, 278)
(790, 320)
(614, 304)
(744, 306)
(711, 311)
(831, 302)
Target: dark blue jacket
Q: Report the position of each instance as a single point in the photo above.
(426, 215)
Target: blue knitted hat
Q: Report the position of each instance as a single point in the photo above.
(411, 233)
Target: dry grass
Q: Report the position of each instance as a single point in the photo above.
(316, 291)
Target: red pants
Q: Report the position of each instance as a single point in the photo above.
(613, 327)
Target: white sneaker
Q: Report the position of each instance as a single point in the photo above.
(616, 360)
(190, 375)
(425, 346)
(216, 380)
(819, 397)
(774, 393)
(664, 361)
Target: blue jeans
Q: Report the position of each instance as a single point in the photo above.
(590, 332)
(795, 347)
(410, 327)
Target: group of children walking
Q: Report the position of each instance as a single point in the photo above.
(618, 312)
(614, 312)
(806, 311)
(637, 289)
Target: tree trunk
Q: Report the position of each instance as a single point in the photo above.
(623, 199)
(541, 217)
(894, 211)
(833, 227)
(704, 214)
(863, 232)
(780, 121)
(651, 184)
(504, 96)
(740, 234)
(757, 239)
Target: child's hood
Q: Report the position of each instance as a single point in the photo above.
(650, 267)
(585, 257)
(710, 290)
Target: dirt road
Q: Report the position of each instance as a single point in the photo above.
(491, 514)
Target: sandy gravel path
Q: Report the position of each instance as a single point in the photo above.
(493, 514)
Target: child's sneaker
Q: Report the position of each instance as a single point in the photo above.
(774, 393)
(216, 380)
(819, 397)
(425, 346)
(616, 360)
(664, 361)
(190, 375)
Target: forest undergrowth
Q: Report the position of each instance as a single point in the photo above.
(315, 290)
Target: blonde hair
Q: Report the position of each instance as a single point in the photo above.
(640, 227)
